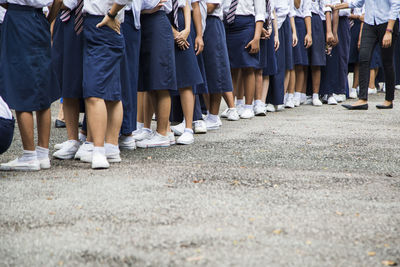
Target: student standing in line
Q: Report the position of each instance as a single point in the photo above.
(355, 34)
(268, 63)
(157, 72)
(25, 77)
(216, 62)
(288, 39)
(244, 22)
(300, 52)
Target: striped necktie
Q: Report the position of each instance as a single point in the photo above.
(65, 15)
(230, 18)
(175, 8)
(269, 13)
(79, 18)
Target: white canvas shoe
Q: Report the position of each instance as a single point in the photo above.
(68, 150)
(289, 103)
(200, 127)
(211, 125)
(144, 133)
(127, 142)
(16, 165)
(279, 107)
(185, 139)
(247, 113)
(332, 101)
(99, 161)
(60, 145)
(260, 110)
(308, 100)
(171, 137)
(232, 114)
(156, 140)
(224, 114)
(296, 101)
(44, 163)
(179, 128)
(353, 93)
(84, 149)
(270, 108)
(372, 91)
(316, 102)
(397, 87)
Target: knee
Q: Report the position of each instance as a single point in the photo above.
(93, 100)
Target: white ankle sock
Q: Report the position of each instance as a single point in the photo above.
(239, 102)
(315, 96)
(139, 125)
(213, 118)
(99, 150)
(248, 106)
(110, 148)
(43, 153)
(290, 96)
(297, 95)
(146, 129)
(188, 130)
(28, 155)
(258, 103)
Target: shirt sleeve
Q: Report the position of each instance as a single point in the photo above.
(292, 12)
(71, 4)
(394, 9)
(359, 3)
(259, 10)
(307, 8)
(123, 2)
(218, 2)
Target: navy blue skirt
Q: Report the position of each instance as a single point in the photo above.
(157, 53)
(316, 52)
(130, 73)
(216, 59)
(300, 53)
(238, 35)
(354, 34)
(187, 68)
(67, 56)
(199, 88)
(271, 65)
(103, 49)
(6, 133)
(25, 71)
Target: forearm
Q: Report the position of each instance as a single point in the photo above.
(211, 8)
(275, 23)
(258, 30)
(187, 15)
(335, 22)
(197, 19)
(307, 20)
(116, 8)
(390, 24)
(293, 25)
(361, 29)
(328, 22)
(342, 6)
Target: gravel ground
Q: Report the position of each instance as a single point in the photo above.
(307, 187)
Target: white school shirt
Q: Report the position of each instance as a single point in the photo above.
(319, 7)
(203, 12)
(32, 3)
(283, 8)
(255, 8)
(345, 12)
(168, 5)
(219, 10)
(101, 7)
(5, 111)
(271, 3)
(136, 8)
(2, 14)
(304, 10)
(327, 9)
(358, 11)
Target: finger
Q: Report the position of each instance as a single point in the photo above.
(247, 46)
(101, 24)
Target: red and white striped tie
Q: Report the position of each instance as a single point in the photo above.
(65, 15)
(79, 18)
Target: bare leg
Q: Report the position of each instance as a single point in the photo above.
(249, 79)
(265, 88)
(356, 75)
(43, 118)
(286, 82)
(71, 111)
(293, 79)
(316, 78)
(140, 112)
(162, 103)
(25, 125)
(60, 115)
(259, 85)
(148, 110)
(114, 121)
(206, 98)
(215, 102)
(96, 112)
(187, 102)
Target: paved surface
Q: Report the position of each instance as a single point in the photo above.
(307, 187)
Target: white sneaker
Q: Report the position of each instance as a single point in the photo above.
(60, 146)
(308, 100)
(353, 93)
(224, 114)
(289, 103)
(332, 101)
(44, 163)
(99, 161)
(233, 115)
(156, 140)
(211, 125)
(179, 128)
(240, 109)
(372, 91)
(338, 98)
(84, 149)
(270, 108)
(200, 127)
(142, 134)
(397, 87)
(260, 110)
(303, 99)
(68, 150)
(316, 102)
(16, 165)
(127, 142)
(280, 107)
(185, 139)
(343, 97)
(247, 113)
(219, 121)
(296, 102)
(171, 137)
(112, 157)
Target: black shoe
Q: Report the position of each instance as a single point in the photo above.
(384, 107)
(59, 124)
(359, 107)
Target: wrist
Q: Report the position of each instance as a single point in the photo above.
(111, 16)
(389, 30)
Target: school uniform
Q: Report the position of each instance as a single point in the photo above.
(284, 10)
(67, 52)
(267, 46)
(2, 14)
(300, 54)
(354, 36)
(316, 52)
(215, 53)
(240, 31)
(130, 66)
(25, 69)
(342, 85)
(157, 52)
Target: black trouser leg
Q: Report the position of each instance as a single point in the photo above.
(369, 39)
